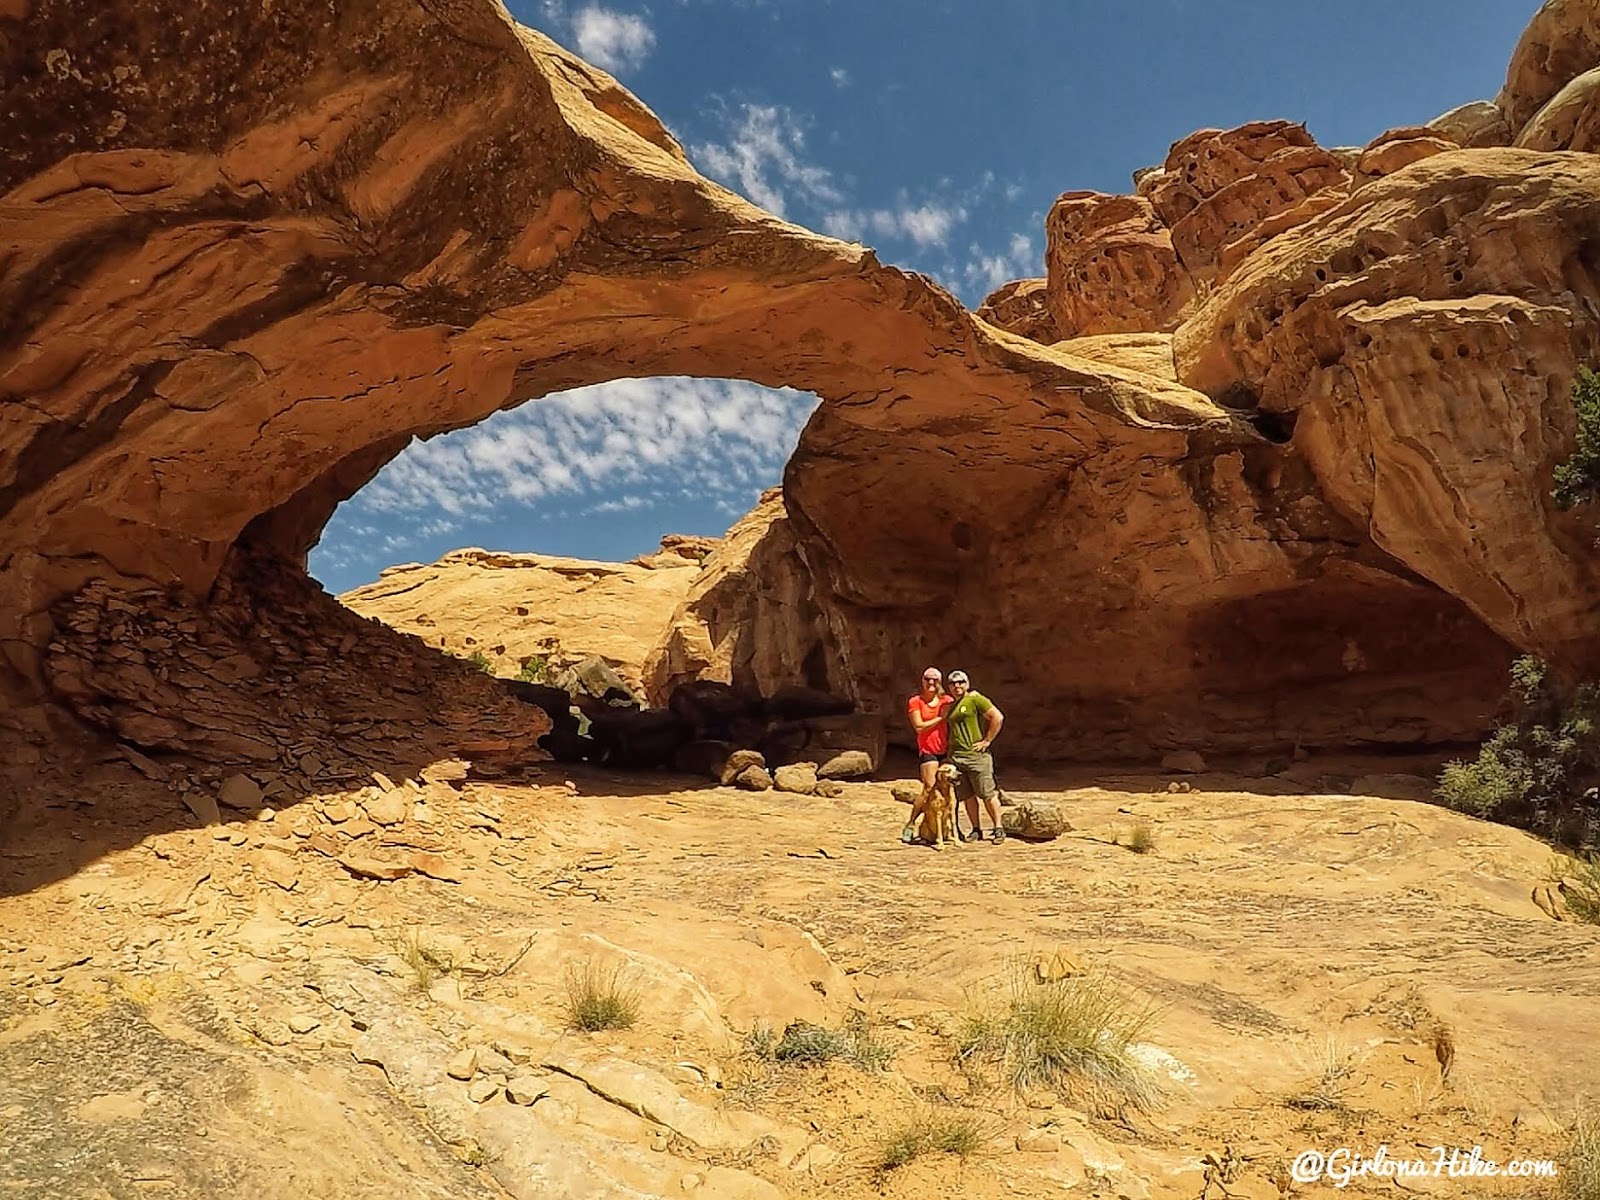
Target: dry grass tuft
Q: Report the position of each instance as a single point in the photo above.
(931, 1132)
(1141, 838)
(1073, 1035)
(424, 960)
(598, 998)
(1580, 1165)
(1331, 1076)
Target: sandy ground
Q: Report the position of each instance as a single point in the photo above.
(237, 1010)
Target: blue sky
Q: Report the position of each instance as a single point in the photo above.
(938, 132)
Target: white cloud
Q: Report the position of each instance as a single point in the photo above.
(986, 270)
(840, 77)
(926, 224)
(613, 40)
(709, 439)
(764, 157)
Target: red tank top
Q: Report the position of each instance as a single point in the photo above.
(936, 738)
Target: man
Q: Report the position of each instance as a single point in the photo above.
(926, 711)
(974, 723)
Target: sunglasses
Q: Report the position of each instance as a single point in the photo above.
(958, 679)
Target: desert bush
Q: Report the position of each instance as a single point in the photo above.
(535, 669)
(1074, 1035)
(1578, 479)
(804, 1044)
(1580, 878)
(931, 1132)
(600, 998)
(480, 660)
(1580, 1163)
(1141, 839)
(1539, 770)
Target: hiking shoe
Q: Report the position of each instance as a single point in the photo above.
(908, 835)
(998, 835)
(974, 835)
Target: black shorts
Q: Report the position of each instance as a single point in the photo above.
(925, 757)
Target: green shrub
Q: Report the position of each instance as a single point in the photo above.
(1538, 771)
(600, 999)
(1074, 1035)
(1578, 479)
(481, 660)
(805, 1044)
(535, 669)
(930, 1133)
(1580, 887)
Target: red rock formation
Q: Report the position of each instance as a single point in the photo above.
(1424, 333)
(1022, 307)
(1560, 43)
(1570, 120)
(1397, 148)
(1111, 266)
(1218, 186)
(1478, 124)
(237, 278)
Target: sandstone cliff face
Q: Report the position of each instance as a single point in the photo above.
(1560, 43)
(237, 279)
(520, 608)
(749, 617)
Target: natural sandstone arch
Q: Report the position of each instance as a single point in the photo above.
(235, 282)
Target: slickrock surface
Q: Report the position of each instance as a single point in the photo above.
(516, 608)
(222, 316)
(319, 1005)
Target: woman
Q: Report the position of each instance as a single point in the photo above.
(926, 711)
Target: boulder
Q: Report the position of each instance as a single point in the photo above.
(847, 764)
(596, 679)
(1477, 124)
(829, 788)
(738, 762)
(753, 779)
(241, 793)
(1570, 120)
(906, 791)
(1397, 148)
(1035, 820)
(800, 778)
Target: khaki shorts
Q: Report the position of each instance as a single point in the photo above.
(977, 771)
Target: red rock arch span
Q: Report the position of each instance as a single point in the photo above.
(238, 274)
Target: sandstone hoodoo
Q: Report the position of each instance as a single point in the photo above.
(1331, 527)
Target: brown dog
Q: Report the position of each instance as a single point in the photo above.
(938, 824)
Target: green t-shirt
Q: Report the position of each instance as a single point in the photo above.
(966, 720)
